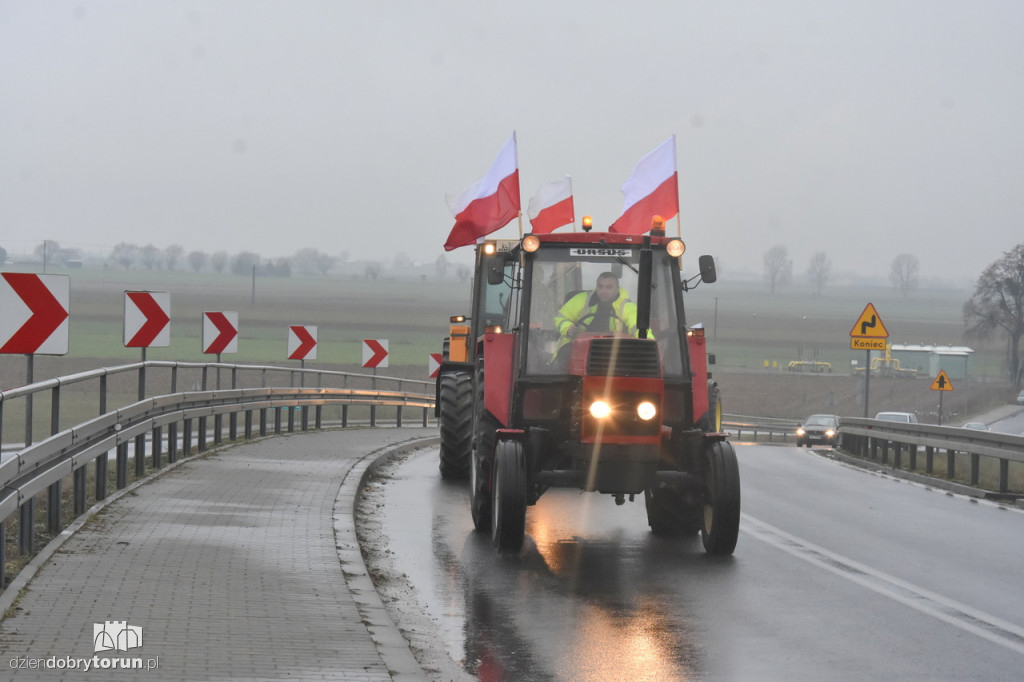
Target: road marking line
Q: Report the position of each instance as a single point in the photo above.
(959, 615)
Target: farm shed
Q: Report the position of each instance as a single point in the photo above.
(929, 360)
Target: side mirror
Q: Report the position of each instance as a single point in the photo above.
(495, 271)
(707, 269)
(711, 358)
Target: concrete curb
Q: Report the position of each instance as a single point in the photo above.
(392, 645)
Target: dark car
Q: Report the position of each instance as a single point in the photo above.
(818, 428)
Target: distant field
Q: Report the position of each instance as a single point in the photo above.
(746, 326)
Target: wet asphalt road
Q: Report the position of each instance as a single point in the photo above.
(839, 574)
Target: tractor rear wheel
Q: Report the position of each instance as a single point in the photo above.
(721, 521)
(482, 458)
(455, 394)
(508, 507)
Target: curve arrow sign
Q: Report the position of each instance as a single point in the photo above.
(34, 313)
(375, 353)
(147, 319)
(220, 332)
(434, 365)
(301, 342)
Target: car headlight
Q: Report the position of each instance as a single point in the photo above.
(599, 409)
(830, 433)
(800, 431)
(646, 410)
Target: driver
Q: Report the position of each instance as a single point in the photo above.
(605, 309)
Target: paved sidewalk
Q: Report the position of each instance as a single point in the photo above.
(240, 565)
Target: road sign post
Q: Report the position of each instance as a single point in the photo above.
(941, 384)
(868, 334)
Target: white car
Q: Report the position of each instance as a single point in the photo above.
(901, 417)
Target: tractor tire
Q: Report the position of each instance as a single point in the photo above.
(721, 520)
(455, 395)
(484, 431)
(670, 513)
(508, 508)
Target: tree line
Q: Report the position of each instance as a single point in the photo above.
(778, 270)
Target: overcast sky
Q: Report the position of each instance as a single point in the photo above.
(864, 129)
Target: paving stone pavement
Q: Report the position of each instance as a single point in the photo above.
(239, 565)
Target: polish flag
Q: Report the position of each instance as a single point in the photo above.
(652, 189)
(488, 204)
(552, 207)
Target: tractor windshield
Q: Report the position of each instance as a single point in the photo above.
(583, 289)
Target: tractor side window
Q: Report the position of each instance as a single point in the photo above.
(497, 298)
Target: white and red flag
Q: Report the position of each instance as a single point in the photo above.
(552, 207)
(488, 204)
(652, 189)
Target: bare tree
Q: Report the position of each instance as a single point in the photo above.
(197, 260)
(441, 266)
(311, 260)
(149, 255)
(125, 254)
(244, 262)
(903, 273)
(172, 254)
(998, 305)
(819, 270)
(778, 267)
(219, 261)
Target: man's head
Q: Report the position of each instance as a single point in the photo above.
(607, 287)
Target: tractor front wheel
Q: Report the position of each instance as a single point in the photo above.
(455, 395)
(508, 507)
(721, 523)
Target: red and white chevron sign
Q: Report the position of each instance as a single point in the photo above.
(301, 342)
(375, 353)
(147, 319)
(434, 365)
(220, 332)
(34, 316)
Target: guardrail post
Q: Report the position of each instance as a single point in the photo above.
(201, 436)
(53, 516)
(172, 442)
(26, 539)
(373, 415)
(158, 445)
(102, 476)
(929, 459)
(291, 418)
(248, 424)
(913, 456)
(1004, 475)
(398, 418)
(344, 416)
(218, 425)
(263, 421)
(897, 452)
(233, 426)
(305, 417)
(78, 479)
(424, 417)
(122, 465)
(319, 415)
(140, 455)
(975, 468)
(277, 420)
(187, 438)
(950, 463)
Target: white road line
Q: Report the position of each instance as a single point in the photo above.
(959, 615)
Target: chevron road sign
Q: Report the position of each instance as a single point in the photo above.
(147, 319)
(433, 365)
(375, 353)
(34, 317)
(301, 342)
(220, 332)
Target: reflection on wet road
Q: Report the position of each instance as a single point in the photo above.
(594, 595)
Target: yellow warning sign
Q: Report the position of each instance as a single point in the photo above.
(870, 325)
(942, 382)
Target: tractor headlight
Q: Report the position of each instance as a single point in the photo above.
(646, 410)
(675, 248)
(531, 243)
(599, 409)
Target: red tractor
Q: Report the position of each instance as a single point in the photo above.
(576, 369)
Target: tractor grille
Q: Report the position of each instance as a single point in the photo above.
(620, 357)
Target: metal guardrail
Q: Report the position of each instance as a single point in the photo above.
(760, 428)
(170, 420)
(875, 439)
